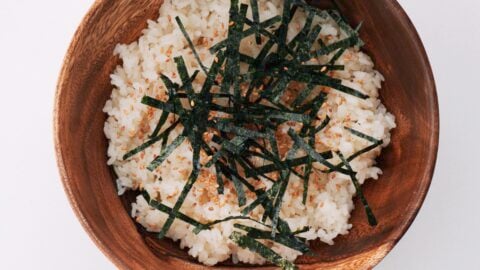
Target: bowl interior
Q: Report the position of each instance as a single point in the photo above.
(407, 164)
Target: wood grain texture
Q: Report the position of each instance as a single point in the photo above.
(84, 86)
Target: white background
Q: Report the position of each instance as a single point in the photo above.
(38, 229)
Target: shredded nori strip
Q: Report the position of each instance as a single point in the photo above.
(242, 200)
(304, 32)
(161, 122)
(186, 189)
(304, 229)
(303, 95)
(206, 226)
(167, 210)
(311, 152)
(255, 246)
(337, 56)
(323, 125)
(166, 152)
(221, 185)
(342, 22)
(286, 17)
(155, 103)
(226, 126)
(286, 164)
(165, 114)
(287, 240)
(183, 72)
(256, 19)
(303, 51)
(260, 199)
(362, 135)
(330, 82)
(371, 217)
(277, 89)
(302, 3)
(254, 28)
(232, 67)
(285, 177)
(364, 150)
(150, 142)
(308, 167)
(376, 143)
(352, 40)
(284, 180)
(190, 43)
(235, 145)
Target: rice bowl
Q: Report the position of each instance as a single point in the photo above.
(329, 203)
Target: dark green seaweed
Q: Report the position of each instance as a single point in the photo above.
(256, 19)
(371, 217)
(190, 43)
(264, 251)
(287, 240)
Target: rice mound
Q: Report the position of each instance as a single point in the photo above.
(129, 123)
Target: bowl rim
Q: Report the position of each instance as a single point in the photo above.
(377, 253)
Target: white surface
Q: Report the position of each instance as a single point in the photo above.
(38, 229)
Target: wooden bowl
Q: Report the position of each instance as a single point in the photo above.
(408, 164)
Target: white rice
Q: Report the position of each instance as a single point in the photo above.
(330, 196)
